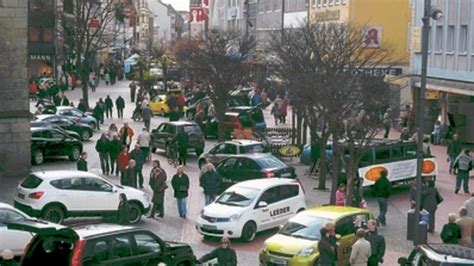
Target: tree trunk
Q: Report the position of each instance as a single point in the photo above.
(220, 113)
(350, 189)
(322, 162)
(84, 77)
(335, 168)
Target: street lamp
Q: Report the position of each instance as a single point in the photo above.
(435, 14)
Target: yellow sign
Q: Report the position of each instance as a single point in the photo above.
(431, 95)
(289, 151)
(326, 15)
(416, 39)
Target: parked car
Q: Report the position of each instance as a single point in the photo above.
(305, 157)
(57, 195)
(100, 244)
(439, 254)
(297, 241)
(55, 126)
(76, 115)
(238, 168)
(238, 117)
(250, 207)
(85, 131)
(225, 149)
(51, 142)
(14, 240)
(166, 133)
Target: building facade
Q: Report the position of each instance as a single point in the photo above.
(450, 84)
(15, 155)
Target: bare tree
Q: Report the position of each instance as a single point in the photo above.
(220, 62)
(89, 34)
(325, 66)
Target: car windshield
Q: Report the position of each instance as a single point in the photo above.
(241, 197)
(304, 226)
(256, 148)
(270, 162)
(193, 129)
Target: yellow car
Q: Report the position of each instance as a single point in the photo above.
(296, 244)
(159, 105)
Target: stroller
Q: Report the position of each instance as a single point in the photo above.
(137, 113)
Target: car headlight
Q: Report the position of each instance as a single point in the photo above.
(305, 252)
(235, 217)
(146, 197)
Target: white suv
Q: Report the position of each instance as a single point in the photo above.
(56, 195)
(250, 207)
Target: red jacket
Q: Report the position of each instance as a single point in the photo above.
(122, 160)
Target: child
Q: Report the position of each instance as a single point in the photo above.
(82, 163)
(341, 195)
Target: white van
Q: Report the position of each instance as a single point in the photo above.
(250, 207)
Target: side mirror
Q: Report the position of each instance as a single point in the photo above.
(402, 261)
(262, 204)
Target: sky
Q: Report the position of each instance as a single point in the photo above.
(178, 4)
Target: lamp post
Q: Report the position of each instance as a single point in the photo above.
(435, 14)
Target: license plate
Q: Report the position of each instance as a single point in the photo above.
(21, 196)
(209, 226)
(278, 261)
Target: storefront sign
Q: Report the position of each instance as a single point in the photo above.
(416, 39)
(431, 95)
(326, 15)
(42, 57)
(375, 72)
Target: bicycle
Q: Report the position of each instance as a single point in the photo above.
(172, 154)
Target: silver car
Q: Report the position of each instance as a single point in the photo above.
(223, 150)
(77, 115)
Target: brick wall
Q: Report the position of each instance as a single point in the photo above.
(14, 108)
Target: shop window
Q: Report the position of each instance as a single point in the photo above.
(41, 5)
(48, 35)
(439, 39)
(34, 34)
(382, 155)
(68, 6)
(463, 38)
(451, 37)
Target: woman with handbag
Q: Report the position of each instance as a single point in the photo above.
(430, 198)
(180, 184)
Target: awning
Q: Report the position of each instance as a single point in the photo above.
(452, 89)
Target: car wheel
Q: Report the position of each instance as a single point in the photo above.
(161, 113)
(135, 212)
(75, 153)
(54, 214)
(38, 157)
(249, 231)
(300, 210)
(85, 135)
(92, 125)
(199, 151)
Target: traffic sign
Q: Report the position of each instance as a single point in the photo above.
(289, 151)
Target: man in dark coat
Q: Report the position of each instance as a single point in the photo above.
(180, 184)
(102, 106)
(57, 100)
(120, 104)
(108, 106)
(451, 232)
(147, 114)
(129, 177)
(377, 244)
(182, 142)
(82, 106)
(382, 190)
(133, 91)
(115, 148)
(158, 186)
(430, 198)
(327, 253)
(210, 182)
(102, 147)
(82, 162)
(97, 114)
(453, 150)
(137, 155)
(123, 212)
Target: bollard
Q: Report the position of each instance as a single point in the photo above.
(421, 234)
(411, 225)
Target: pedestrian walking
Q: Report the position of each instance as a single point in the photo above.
(453, 151)
(463, 165)
(93, 83)
(82, 162)
(123, 212)
(102, 106)
(451, 232)
(430, 199)
(377, 243)
(147, 114)
(275, 111)
(180, 184)
(158, 186)
(102, 147)
(126, 134)
(225, 255)
(210, 182)
(109, 105)
(112, 131)
(97, 114)
(436, 134)
(107, 78)
(327, 252)
(115, 146)
(182, 142)
(172, 104)
(120, 104)
(341, 195)
(382, 190)
(133, 91)
(144, 140)
(283, 111)
(130, 175)
(137, 155)
(81, 106)
(122, 160)
(361, 250)
(465, 223)
(387, 123)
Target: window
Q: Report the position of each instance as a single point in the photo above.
(462, 47)
(330, 2)
(270, 196)
(247, 164)
(8, 216)
(31, 181)
(229, 164)
(345, 226)
(230, 149)
(94, 184)
(56, 134)
(411, 151)
(121, 247)
(146, 244)
(278, 5)
(48, 35)
(343, 2)
(319, 2)
(289, 191)
(382, 154)
(96, 253)
(325, 2)
(68, 6)
(68, 184)
(439, 39)
(337, 2)
(451, 38)
(34, 34)
(397, 152)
